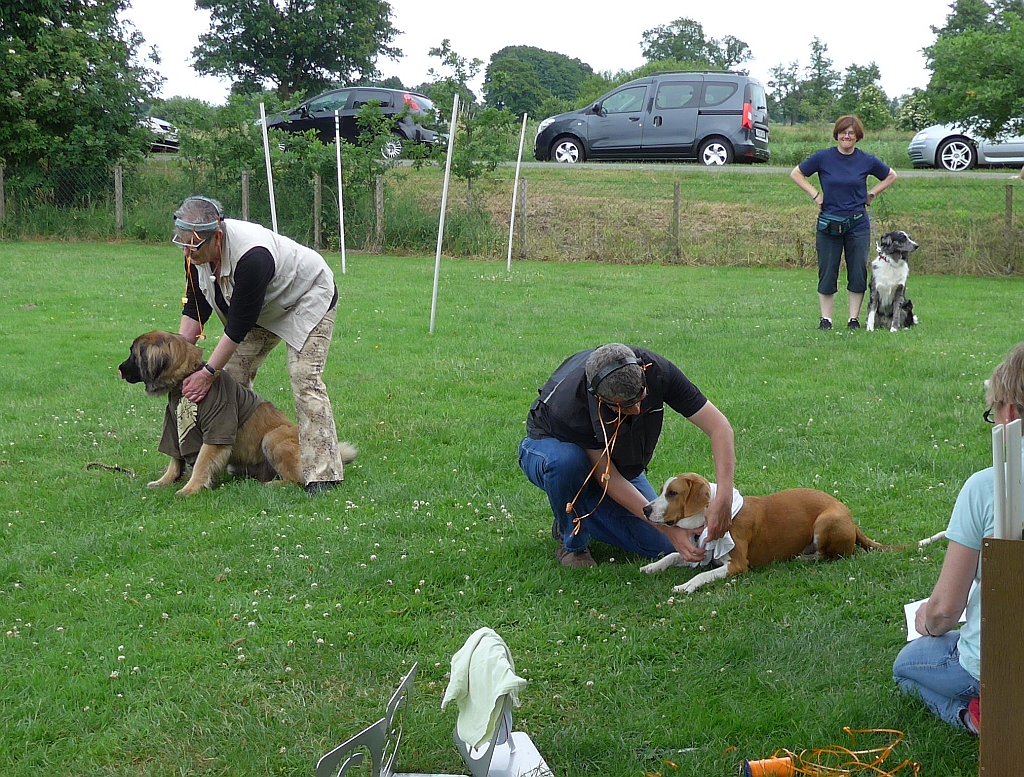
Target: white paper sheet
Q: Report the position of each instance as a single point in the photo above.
(910, 611)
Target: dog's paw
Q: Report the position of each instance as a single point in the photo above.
(189, 490)
(685, 588)
(155, 484)
(650, 569)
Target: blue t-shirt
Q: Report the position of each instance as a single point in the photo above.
(973, 519)
(844, 180)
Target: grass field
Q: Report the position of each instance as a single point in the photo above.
(250, 629)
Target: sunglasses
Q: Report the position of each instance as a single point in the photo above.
(191, 247)
(625, 405)
(989, 418)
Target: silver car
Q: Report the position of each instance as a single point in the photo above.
(956, 149)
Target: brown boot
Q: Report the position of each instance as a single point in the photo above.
(580, 559)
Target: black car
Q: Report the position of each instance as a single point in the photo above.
(408, 108)
(712, 117)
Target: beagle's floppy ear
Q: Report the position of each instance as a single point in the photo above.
(699, 494)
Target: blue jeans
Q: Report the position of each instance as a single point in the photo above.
(929, 667)
(559, 469)
(830, 248)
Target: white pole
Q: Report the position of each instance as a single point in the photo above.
(1014, 507)
(998, 482)
(444, 204)
(515, 190)
(270, 175)
(341, 210)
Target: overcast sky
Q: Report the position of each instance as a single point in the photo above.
(606, 36)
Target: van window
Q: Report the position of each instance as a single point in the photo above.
(677, 94)
(757, 98)
(625, 101)
(717, 92)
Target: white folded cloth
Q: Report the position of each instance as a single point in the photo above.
(717, 548)
(482, 675)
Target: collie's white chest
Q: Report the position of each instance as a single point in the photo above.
(887, 275)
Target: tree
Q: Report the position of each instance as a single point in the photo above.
(463, 70)
(977, 64)
(684, 40)
(817, 90)
(856, 79)
(872, 108)
(784, 83)
(557, 73)
(72, 88)
(914, 112)
(297, 45)
(513, 85)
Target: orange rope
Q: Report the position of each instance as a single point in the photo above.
(189, 284)
(609, 446)
(845, 761)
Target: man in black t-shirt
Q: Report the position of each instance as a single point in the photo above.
(597, 419)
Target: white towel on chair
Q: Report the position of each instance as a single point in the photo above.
(482, 675)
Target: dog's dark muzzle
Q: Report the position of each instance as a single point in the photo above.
(129, 372)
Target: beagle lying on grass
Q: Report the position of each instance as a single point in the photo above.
(798, 522)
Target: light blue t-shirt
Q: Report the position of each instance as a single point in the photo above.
(973, 520)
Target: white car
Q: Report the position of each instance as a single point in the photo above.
(166, 134)
(956, 149)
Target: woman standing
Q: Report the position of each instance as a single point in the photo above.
(843, 226)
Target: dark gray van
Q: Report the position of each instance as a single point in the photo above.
(713, 117)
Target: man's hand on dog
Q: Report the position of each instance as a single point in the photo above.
(197, 385)
(683, 541)
(718, 516)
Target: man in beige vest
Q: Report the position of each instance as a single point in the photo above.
(265, 288)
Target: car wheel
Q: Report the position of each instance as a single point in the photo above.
(392, 148)
(715, 151)
(568, 151)
(957, 155)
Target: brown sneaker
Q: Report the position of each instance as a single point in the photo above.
(580, 559)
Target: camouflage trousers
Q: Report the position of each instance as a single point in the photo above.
(318, 436)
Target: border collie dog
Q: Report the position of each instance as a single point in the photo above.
(888, 305)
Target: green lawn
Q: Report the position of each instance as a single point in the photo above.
(250, 629)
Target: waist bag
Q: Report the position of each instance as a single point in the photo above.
(837, 225)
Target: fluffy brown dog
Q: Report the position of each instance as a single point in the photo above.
(799, 522)
(265, 442)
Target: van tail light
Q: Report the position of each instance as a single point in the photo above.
(748, 121)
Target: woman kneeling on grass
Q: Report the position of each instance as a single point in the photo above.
(943, 667)
(843, 225)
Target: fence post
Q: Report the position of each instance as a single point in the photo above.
(3, 202)
(1008, 230)
(317, 206)
(378, 207)
(521, 216)
(677, 200)
(245, 195)
(118, 198)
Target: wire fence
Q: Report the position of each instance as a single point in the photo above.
(966, 224)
